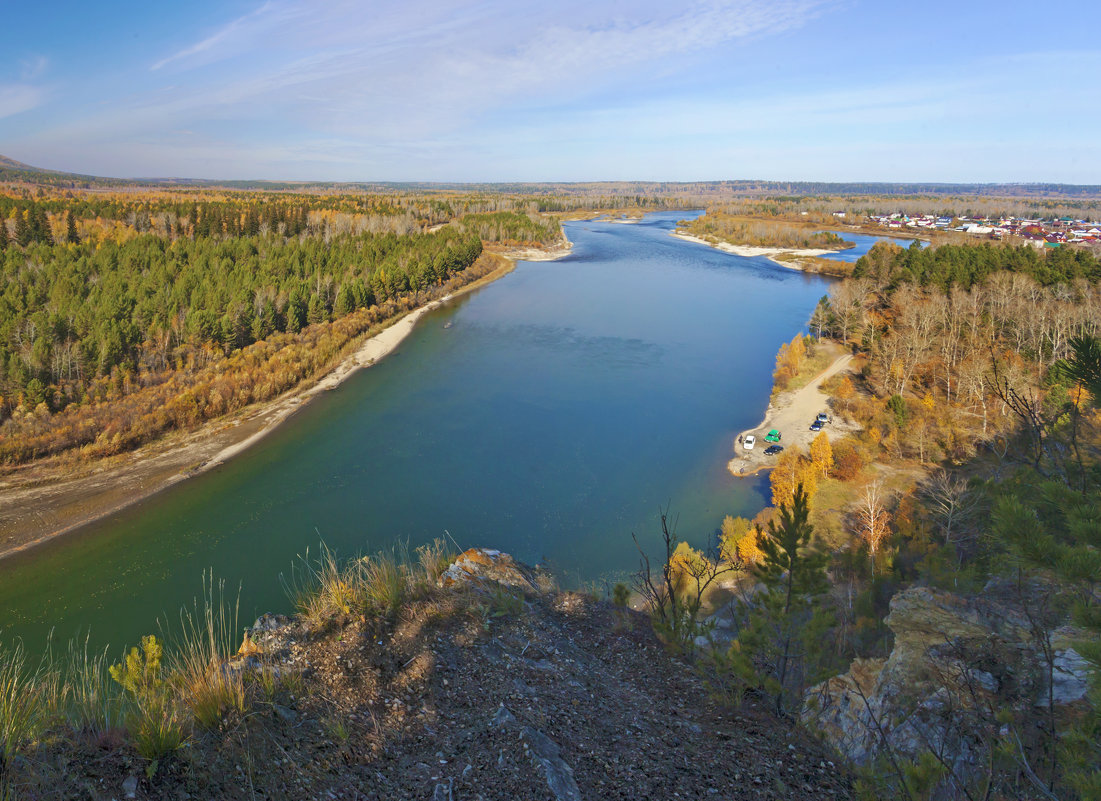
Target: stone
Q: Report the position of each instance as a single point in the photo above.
(503, 718)
(269, 622)
(130, 787)
(1070, 680)
(482, 566)
(546, 756)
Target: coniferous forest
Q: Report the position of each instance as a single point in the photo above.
(125, 316)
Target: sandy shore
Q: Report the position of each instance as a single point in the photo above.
(791, 413)
(41, 501)
(750, 251)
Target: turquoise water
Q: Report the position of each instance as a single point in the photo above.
(549, 414)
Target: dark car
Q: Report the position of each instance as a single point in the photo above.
(816, 425)
(822, 418)
(772, 450)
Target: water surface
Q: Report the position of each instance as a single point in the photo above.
(549, 414)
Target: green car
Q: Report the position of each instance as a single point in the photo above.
(772, 436)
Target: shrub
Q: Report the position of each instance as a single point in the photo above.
(155, 722)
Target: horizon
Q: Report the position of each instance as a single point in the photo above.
(819, 91)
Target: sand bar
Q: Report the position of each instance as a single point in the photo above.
(750, 251)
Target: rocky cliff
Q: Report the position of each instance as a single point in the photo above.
(955, 665)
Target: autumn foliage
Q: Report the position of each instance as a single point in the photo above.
(789, 360)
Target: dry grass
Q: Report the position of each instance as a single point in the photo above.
(95, 705)
(197, 670)
(161, 704)
(326, 588)
(28, 701)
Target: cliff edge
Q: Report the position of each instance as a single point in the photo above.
(492, 685)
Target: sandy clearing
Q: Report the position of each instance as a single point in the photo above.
(791, 413)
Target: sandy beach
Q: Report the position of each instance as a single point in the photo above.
(750, 251)
(791, 413)
(41, 501)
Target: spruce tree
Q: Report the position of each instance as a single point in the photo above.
(23, 232)
(3, 233)
(71, 234)
(42, 230)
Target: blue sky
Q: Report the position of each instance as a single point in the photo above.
(567, 91)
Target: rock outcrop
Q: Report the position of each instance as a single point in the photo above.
(954, 662)
(485, 567)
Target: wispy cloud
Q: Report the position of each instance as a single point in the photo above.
(17, 98)
(33, 67)
(239, 29)
(482, 88)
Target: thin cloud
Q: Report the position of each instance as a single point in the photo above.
(228, 33)
(32, 68)
(17, 98)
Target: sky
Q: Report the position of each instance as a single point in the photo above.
(498, 90)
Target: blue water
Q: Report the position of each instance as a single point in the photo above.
(550, 414)
(863, 245)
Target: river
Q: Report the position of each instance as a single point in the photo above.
(549, 414)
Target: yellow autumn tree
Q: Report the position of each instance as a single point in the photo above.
(739, 541)
(685, 565)
(789, 360)
(792, 469)
(821, 454)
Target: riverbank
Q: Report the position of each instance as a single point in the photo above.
(749, 251)
(43, 501)
(791, 413)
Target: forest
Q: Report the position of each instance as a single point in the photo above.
(125, 315)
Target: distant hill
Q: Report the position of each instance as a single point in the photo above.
(16, 171)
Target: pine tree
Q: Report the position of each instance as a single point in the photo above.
(780, 648)
(71, 233)
(3, 233)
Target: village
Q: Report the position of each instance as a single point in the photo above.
(1041, 233)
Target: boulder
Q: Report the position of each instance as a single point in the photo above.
(484, 566)
(953, 660)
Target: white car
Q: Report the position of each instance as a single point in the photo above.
(749, 442)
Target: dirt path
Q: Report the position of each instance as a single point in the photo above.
(791, 413)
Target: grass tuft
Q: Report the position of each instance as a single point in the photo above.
(209, 687)
(324, 589)
(27, 703)
(94, 704)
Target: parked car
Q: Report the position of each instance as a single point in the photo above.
(816, 425)
(772, 436)
(749, 442)
(772, 450)
(822, 418)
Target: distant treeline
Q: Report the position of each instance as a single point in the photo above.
(16, 172)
